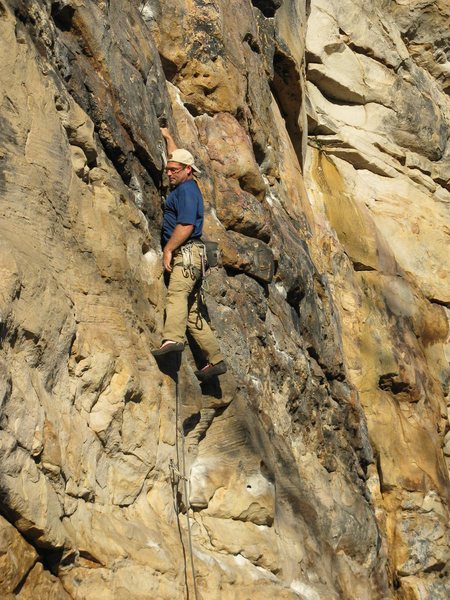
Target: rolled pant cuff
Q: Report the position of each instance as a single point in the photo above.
(215, 358)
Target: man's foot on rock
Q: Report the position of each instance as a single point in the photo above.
(168, 346)
(211, 370)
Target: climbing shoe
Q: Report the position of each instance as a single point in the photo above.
(168, 346)
(211, 370)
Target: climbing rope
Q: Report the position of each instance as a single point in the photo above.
(178, 473)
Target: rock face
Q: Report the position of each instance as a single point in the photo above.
(317, 467)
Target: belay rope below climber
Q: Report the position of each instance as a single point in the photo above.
(177, 473)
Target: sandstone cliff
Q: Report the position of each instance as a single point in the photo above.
(318, 466)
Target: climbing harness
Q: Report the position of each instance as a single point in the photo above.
(209, 258)
(199, 274)
(177, 474)
(189, 269)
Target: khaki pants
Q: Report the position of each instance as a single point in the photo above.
(182, 310)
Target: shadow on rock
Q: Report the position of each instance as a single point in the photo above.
(170, 364)
(212, 387)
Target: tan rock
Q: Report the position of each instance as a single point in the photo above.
(79, 127)
(250, 498)
(241, 211)
(230, 151)
(17, 558)
(92, 582)
(79, 161)
(31, 496)
(257, 544)
(424, 29)
(214, 86)
(42, 584)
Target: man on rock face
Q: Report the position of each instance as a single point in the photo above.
(182, 259)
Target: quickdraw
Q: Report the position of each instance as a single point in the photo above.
(189, 269)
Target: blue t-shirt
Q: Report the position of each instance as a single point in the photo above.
(184, 205)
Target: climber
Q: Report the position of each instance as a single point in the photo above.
(182, 260)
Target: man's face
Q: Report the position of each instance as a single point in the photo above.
(177, 173)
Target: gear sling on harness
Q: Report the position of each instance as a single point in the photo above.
(189, 270)
(209, 255)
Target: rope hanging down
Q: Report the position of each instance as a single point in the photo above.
(177, 474)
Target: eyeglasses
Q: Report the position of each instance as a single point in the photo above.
(172, 170)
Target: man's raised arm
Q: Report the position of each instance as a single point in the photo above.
(170, 142)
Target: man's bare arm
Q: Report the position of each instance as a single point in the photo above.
(170, 142)
(180, 234)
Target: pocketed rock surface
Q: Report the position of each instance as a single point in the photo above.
(318, 464)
